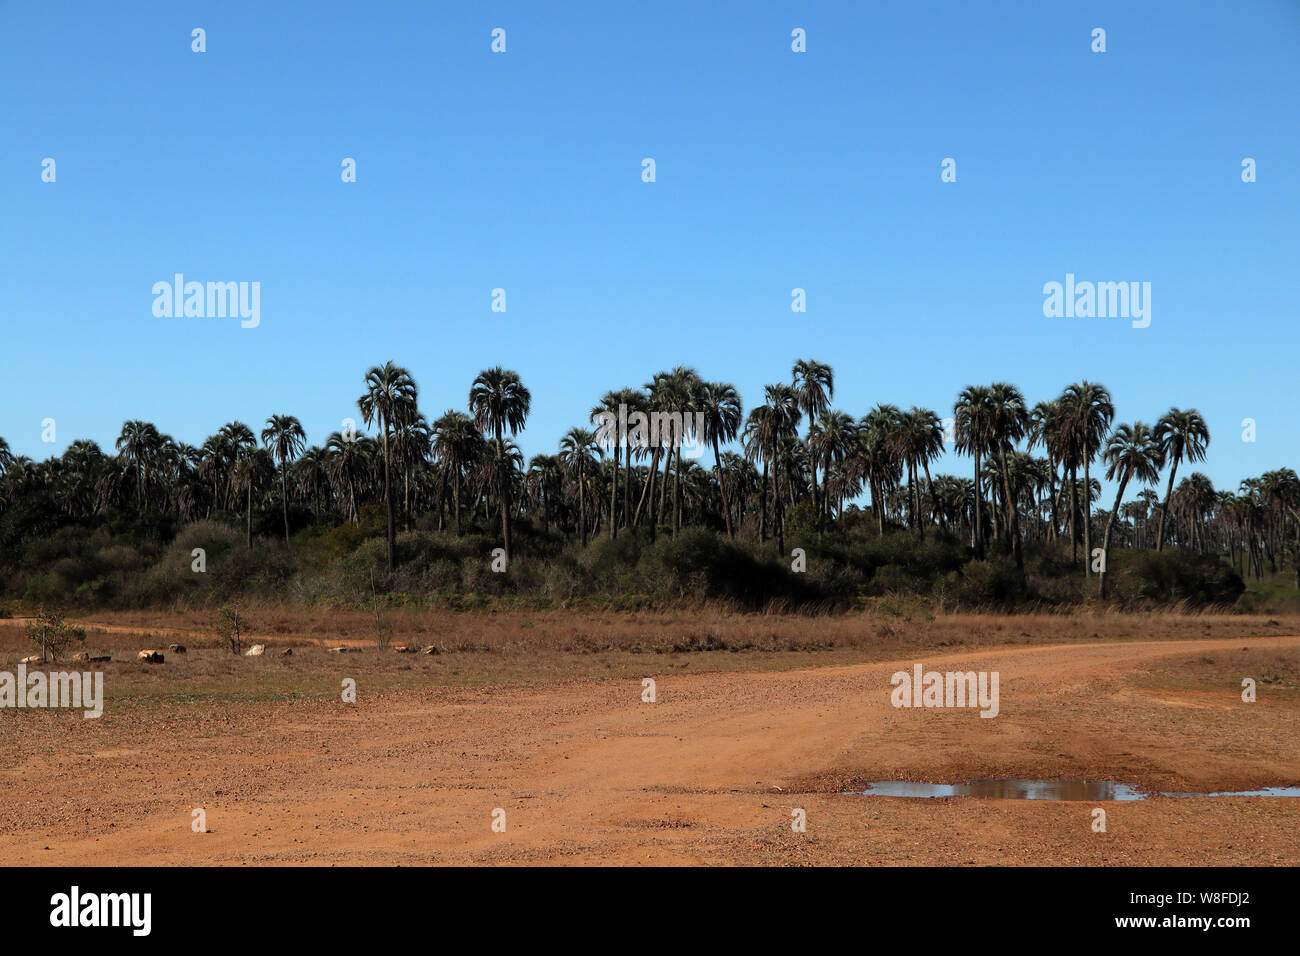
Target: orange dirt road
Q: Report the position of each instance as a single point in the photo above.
(585, 772)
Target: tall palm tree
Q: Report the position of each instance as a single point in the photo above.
(135, 446)
(973, 424)
(347, 458)
(311, 474)
(499, 402)
(1087, 411)
(1045, 428)
(578, 449)
(458, 445)
(1131, 452)
(1181, 435)
(234, 438)
(628, 400)
(814, 387)
(919, 439)
(719, 402)
(410, 450)
(757, 440)
(252, 469)
(784, 402)
(831, 441)
(880, 457)
(683, 396)
(544, 475)
(390, 393)
(283, 437)
(1010, 418)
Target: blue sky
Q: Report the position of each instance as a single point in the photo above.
(522, 170)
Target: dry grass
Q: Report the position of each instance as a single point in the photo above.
(504, 648)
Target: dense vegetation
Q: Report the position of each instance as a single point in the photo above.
(623, 513)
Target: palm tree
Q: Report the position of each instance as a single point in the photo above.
(283, 437)
(1087, 411)
(919, 438)
(1131, 452)
(720, 404)
(783, 433)
(544, 474)
(1010, 418)
(831, 440)
(346, 460)
(683, 397)
(1181, 434)
(234, 437)
(973, 425)
(578, 449)
(757, 440)
(390, 393)
(458, 445)
(499, 401)
(628, 399)
(410, 450)
(311, 475)
(1045, 428)
(814, 387)
(135, 446)
(880, 458)
(252, 469)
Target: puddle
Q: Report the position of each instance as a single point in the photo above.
(1045, 790)
(1265, 792)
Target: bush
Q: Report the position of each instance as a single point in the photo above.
(1173, 576)
(994, 582)
(52, 634)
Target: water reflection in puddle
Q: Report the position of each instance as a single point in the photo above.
(1045, 790)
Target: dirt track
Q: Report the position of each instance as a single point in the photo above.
(587, 773)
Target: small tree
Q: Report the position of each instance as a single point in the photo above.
(230, 628)
(52, 634)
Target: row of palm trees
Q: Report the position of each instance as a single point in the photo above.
(1032, 478)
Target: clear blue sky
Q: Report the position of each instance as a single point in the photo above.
(523, 171)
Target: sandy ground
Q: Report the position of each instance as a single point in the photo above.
(586, 772)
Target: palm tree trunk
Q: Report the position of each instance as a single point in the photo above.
(1164, 509)
(442, 497)
(505, 493)
(388, 495)
(455, 492)
(812, 469)
(722, 486)
(677, 493)
(1013, 513)
(628, 474)
(613, 497)
(648, 495)
(582, 507)
(1074, 511)
(1105, 541)
(1087, 519)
